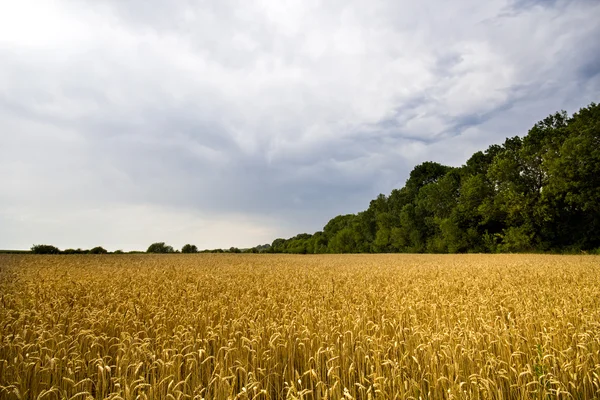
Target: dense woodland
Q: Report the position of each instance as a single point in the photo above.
(540, 192)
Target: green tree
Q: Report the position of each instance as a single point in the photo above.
(189, 248)
(299, 244)
(278, 246)
(160, 247)
(98, 250)
(336, 224)
(424, 174)
(344, 241)
(319, 243)
(572, 195)
(44, 249)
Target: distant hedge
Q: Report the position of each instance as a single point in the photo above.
(49, 249)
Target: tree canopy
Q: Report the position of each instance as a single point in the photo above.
(189, 248)
(44, 249)
(98, 250)
(160, 247)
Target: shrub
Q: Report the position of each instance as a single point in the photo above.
(189, 248)
(73, 251)
(44, 249)
(160, 247)
(98, 250)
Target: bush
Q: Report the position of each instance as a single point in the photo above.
(98, 250)
(160, 247)
(516, 239)
(44, 249)
(73, 251)
(118, 252)
(189, 248)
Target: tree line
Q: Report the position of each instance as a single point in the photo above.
(155, 248)
(538, 193)
(49, 249)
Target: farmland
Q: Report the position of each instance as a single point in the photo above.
(290, 326)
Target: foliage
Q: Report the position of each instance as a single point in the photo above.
(189, 248)
(73, 251)
(44, 249)
(261, 248)
(160, 247)
(98, 250)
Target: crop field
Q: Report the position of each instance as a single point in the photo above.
(238, 326)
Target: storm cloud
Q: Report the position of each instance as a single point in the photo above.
(231, 123)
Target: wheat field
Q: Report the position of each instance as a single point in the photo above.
(299, 327)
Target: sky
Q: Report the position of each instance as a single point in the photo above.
(231, 123)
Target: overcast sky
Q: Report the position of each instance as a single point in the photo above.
(231, 122)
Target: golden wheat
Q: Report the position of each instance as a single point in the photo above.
(299, 327)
